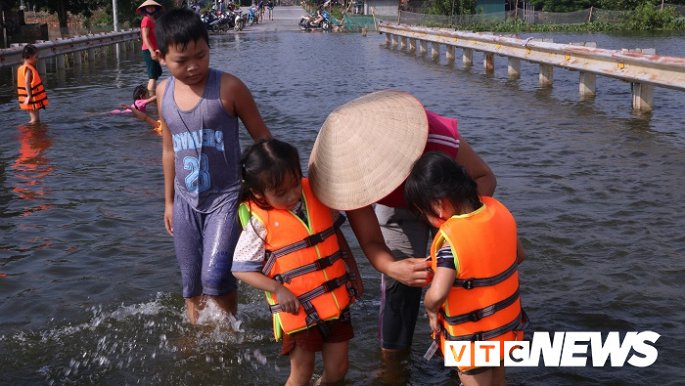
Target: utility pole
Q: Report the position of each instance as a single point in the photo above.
(115, 18)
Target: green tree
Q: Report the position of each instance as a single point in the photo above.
(63, 7)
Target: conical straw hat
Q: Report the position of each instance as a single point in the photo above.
(146, 3)
(366, 148)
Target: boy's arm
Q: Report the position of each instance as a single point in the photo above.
(237, 100)
(141, 115)
(167, 165)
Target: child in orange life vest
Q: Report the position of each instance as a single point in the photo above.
(30, 88)
(474, 293)
(292, 248)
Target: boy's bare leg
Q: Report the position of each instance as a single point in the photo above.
(227, 302)
(193, 307)
(301, 367)
(335, 363)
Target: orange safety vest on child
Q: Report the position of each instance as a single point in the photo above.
(306, 259)
(483, 303)
(39, 99)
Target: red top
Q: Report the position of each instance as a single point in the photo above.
(443, 136)
(149, 23)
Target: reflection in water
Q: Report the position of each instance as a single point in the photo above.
(32, 166)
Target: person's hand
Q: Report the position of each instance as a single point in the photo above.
(27, 100)
(413, 272)
(169, 218)
(287, 300)
(153, 55)
(433, 321)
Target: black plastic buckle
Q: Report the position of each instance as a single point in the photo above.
(468, 284)
(330, 285)
(474, 317)
(279, 278)
(313, 239)
(323, 263)
(477, 337)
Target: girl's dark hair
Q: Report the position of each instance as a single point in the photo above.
(179, 26)
(435, 176)
(29, 51)
(140, 92)
(266, 165)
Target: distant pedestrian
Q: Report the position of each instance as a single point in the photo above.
(30, 88)
(270, 7)
(150, 10)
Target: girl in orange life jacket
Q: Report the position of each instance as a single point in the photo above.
(474, 292)
(30, 89)
(291, 247)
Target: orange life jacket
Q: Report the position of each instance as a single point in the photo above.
(39, 99)
(306, 259)
(483, 303)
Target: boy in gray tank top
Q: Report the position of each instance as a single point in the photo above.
(200, 108)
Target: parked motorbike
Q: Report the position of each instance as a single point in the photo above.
(309, 22)
(239, 20)
(252, 15)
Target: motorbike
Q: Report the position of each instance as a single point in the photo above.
(252, 15)
(308, 22)
(222, 22)
(239, 20)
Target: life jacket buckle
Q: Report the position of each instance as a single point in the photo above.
(468, 284)
(477, 337)
(323, 263)
(313, 239)
(279, 278)
(474, 317)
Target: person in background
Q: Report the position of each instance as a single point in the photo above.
(150, 9)
(362, 156)
(199, 108)
(30, 88)
(309, 284)
(474, 295)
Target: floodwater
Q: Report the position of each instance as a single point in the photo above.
(90, 290)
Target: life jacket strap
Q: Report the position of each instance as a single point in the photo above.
(309, 241)
(479, 314)
(486, 281)
(519, 323)
(315, 292)
(318, 265)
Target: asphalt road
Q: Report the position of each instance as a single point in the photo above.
(285, 18)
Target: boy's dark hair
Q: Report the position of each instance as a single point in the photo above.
(140, 92)
(179, 26)
(267, 165)
(435, 176)
(29, 51)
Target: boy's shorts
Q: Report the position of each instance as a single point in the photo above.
(313, 340)
(407, 235)
(205, 243)
(154, 69)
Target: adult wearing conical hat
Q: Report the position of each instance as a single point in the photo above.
(150, 9)
(362, 156)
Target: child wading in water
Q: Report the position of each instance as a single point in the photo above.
(474, 295)
(292, 248)
(30, 88)
(141, 99)
(199, 108)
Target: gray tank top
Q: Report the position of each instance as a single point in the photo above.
(206, 147)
